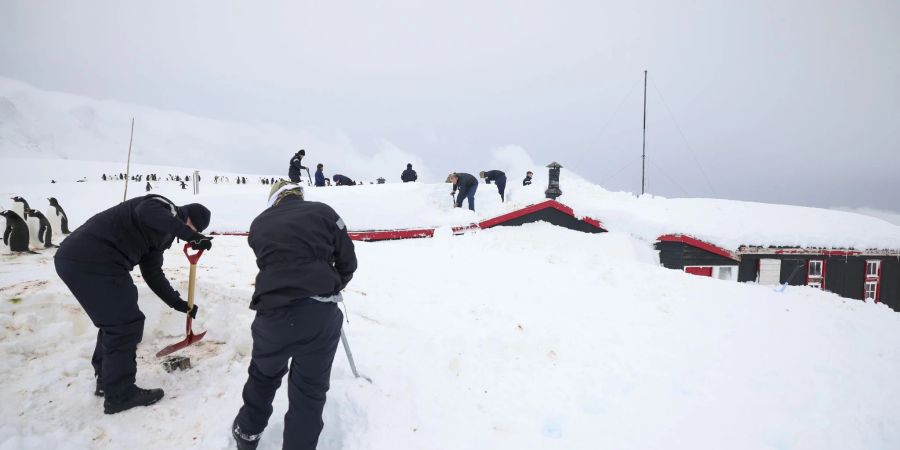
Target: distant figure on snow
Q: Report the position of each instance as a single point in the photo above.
(296, 167)
(466, 185)
(527, 180)
(149, 187)
(320, 175)
(340, 180)
(498, 177)
(409, 175)
(183, 185)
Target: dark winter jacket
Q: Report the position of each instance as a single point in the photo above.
(463, 184)
(296, 167)
(320, 178)
(135, 232)
(409, 175)
(495, 175)
(526, 181)
(302, 249)
(341, 180)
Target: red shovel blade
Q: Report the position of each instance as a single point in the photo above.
(188, 340)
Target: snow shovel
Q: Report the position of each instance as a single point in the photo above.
(191, 337)
(350, 357)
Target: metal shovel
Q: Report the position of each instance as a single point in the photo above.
(191, 337)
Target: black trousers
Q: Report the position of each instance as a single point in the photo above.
(109, 297)
(306, 333)
(501, 188)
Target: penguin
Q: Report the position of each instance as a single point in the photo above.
(16, 233)
(21, 208)
(45, 230)
(58, 212)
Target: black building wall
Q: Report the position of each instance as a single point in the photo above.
(844, 275)
(676, 255)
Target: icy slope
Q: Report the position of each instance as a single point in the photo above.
(517, 338)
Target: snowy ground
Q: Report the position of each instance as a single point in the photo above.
(513, 338)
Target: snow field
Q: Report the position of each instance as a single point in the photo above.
(525, 337)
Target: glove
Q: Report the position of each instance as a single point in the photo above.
(183, 308)
(201, 243)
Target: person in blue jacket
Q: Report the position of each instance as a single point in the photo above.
(497, 177)
(320, 177)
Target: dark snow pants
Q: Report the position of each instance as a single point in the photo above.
(306, 333)
(109, 297)
(501, 187)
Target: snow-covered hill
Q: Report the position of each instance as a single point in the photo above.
(512, 338)
(42, 124)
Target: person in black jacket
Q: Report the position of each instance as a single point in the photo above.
(527, 180)
(95, 261)
(341, 180)
(466, 184)
(497, 177)
(296, 167)
(305, 258)
(409, 174)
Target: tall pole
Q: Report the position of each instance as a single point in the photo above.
(644, 143)
(128, 164)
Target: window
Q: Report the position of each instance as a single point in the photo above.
(725, 273)
(872, 280)
(872, 268)
(871, 290)
(815, 269)
(815, 274)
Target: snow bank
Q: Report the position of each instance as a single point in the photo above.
(532, 337)
(726, 223)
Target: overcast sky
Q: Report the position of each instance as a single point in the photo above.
(779, 101)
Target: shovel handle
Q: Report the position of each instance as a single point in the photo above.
(193, 258)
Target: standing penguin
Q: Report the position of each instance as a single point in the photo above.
(21, 208)
(63, 218)
(45, 231)
(16, 233)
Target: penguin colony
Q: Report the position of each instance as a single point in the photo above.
(26, 227)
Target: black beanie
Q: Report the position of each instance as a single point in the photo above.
(409, 165)
(198, 214)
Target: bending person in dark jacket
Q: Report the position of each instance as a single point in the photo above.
(296, 166)
(409, 174)
(305, 258)
(341, 180)
(95, 261)
(466, 184)
(498, 177)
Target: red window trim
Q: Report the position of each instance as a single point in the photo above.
(877, 279)
(820, 278)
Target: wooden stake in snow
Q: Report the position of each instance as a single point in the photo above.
(128, 164)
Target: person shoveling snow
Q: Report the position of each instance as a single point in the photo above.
(95, 261)
(305, 259)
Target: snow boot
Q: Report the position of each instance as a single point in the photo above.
(136, 397)
(244, 441)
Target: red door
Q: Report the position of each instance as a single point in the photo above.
(702, 271)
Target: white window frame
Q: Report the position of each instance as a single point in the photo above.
(874, 290)
(876, 263)
(814, 263)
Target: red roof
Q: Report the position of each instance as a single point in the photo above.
(702, 245)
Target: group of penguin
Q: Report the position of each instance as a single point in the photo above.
(26, 227)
